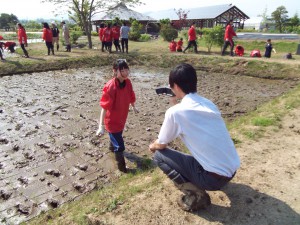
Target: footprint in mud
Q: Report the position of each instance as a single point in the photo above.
(53, 202)
(53, 172)
(5, 195)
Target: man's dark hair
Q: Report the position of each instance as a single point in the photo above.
(185, 76)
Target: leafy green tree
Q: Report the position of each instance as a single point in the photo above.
(264, 17)
(294, 21)
(213, 36)
(168, 32)
(8, 21)
(280, 17)
(82, 11)
(135, 30)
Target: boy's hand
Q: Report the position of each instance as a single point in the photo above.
(100, 131)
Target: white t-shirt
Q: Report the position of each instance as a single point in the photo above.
(124, 31)
(199, 124)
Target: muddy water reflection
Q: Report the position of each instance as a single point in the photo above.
(49, 153)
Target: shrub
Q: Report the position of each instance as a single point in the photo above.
(213, 36)
(74, 35)
(145, 37)
(135, 32)
(94, 33)
(168, 33)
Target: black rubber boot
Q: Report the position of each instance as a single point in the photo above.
(193, 198)
(69, 48)
(52, 51)
(119, 156)
(57, 47)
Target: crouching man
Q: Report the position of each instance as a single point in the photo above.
(199, 124)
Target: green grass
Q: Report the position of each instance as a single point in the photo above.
(266, 117)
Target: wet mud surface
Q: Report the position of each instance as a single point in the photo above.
(49, 153)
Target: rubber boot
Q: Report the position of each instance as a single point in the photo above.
(193, 198)
(52, 51)
(69, 48)
(119, 156)
(48, 51)
(57, 47)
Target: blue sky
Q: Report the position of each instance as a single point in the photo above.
(32, 9)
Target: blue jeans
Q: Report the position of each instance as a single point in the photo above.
(186, 165)
(117, 141)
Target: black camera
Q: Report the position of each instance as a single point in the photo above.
(164, 91)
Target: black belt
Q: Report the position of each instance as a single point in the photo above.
(220, 177)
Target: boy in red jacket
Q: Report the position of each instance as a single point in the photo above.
(107, 37)
(229, 33)
(179, 45)
(117, 96)
(48, 38)
(116, 36)
(101, 31)
(172, 46)
(192, 38)
(22, 36)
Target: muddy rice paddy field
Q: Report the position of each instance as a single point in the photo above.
(49, 153)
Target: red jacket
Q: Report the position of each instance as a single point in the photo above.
(116, 32)
(239, 50)
(101, 31)
(22, 37)
(107, 34)
(116, 101)
(172, 46)
(47, 35)
(179, 45)
(192, 33)
(229, 33)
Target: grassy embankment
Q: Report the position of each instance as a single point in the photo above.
(156, 54)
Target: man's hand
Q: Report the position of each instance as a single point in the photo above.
(156, 146)
(152, 148)
(100, 131)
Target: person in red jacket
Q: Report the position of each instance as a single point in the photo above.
(239, 50)
(101, 32)
(107, 37)
(229, 33)
(48, 38)
(172, 46)
(116, 36)
(179, 45)
(22, 37)
(117, 96)
(192, 38)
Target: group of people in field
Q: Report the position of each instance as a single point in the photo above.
(111, 35)
(50, 35)
(228, 41)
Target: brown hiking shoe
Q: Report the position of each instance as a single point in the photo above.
(194, 201)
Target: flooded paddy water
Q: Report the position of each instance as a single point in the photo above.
(49, 153)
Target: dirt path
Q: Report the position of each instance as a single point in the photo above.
(49, 153)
